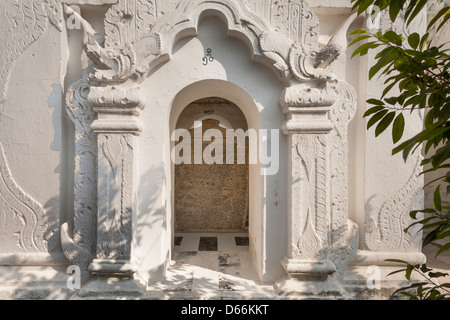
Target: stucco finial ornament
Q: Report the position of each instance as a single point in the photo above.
(336, 46)
(312, 65)
(112, 65)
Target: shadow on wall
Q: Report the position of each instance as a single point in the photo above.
(151, 222)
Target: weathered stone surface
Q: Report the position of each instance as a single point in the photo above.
(211, 197)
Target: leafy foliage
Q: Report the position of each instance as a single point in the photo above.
(429, 289)
(419, 71)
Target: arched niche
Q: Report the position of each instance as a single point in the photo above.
(239, 97)
(211, 195)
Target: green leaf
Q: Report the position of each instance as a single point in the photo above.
(423, 222)
(438, 16)
(375, 118)
(444, 234)
(375, 102)
(387, 89)
(396, 260)
(442, 154)
(398, 128)
(385, 123)
(437, 199)
(437, 225)
(360, 38)
(430, 237)
(364, 5)
(423, 41)
(392, 100)
(409, 270)
(405, 147)
(373, 110)
(363, 49)
(394, 9)
(395, 272)
(358, 31)
(416, 11)
(445, 247)
(431, 132)
(447, 16)
(387, 56)
(414, 40)
(393, 37)
(409, 8)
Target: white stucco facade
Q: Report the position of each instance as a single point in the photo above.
(89, 100)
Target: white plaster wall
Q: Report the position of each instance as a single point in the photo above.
(232, 64)
(31, 119)
(30, 126)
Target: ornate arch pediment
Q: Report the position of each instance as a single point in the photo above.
(138, 37)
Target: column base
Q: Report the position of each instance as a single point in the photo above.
(310, 280)
(110, 288)
(329, 289)
(117, 268)
(316, 270)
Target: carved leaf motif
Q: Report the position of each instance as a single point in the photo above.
(296, 20)
(342, 112)
(22, 216)
(385, 232)
(26, 21)
(54, 12)
(147, 12)
(321, 187)
(309, 244)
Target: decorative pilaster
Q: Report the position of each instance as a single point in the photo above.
(78, 236)
(308, 263)
(117, 126)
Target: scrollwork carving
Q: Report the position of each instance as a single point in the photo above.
(341, 114)
(312, 234)
(25, 22)
(55, 13)
(296, 20)
(21, 217)
(115, 164)
(384, 232)
(85, 174)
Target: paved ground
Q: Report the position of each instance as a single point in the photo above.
(213, 266)
(218, 265)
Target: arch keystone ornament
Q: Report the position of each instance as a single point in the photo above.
(318, 107)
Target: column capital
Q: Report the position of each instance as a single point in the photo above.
(307, 109)
(118, 109)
